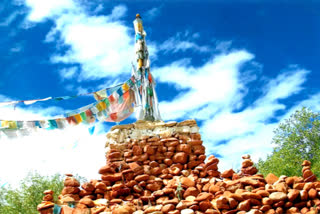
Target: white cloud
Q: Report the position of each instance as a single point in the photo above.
(215, 92)
(101, 45)
(68, 73)
(181, 42)
(72, 150)
(216, 84)
(152, 13)
(118, 12)
(41, 10)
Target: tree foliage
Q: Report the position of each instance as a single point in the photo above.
(25, 198)
(296, 139)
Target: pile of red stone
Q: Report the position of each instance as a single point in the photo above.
(168, 174)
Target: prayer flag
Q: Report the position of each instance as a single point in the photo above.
(126, 95)
(52, 124)
(107, 102)
(12, 124)
(78, 118)
(114, 116)
(37, 124)
(125, 87)
(88, 113)
(120, 100)
(111, 98)
(71, 120)
(83, 116)
(119, 91)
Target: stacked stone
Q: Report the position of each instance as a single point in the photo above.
(247, 166)
(161, 168)
(308, 175)
(46, 206)
(156, 168)
(70, 192)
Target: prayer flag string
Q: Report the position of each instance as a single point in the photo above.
(116, 107)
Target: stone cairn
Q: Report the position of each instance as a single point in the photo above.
(157, 167)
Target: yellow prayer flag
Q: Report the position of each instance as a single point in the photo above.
(12, 124)
(78, 118)
(125, 87)
(4, 123)
(101, 106)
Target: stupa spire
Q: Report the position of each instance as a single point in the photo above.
(148, 107)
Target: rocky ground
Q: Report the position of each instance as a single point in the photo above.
(162, 168)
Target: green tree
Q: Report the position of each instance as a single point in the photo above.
(296, 139)
(28, 195)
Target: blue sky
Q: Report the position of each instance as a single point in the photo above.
(238, 68)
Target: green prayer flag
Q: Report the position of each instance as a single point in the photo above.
(83, 116)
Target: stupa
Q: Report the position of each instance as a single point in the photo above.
(161, 167)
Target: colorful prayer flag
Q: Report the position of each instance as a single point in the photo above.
(78, 118)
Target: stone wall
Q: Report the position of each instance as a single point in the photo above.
(162, 168)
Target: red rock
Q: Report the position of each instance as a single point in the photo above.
(156, 171)
(71, 181)
(174, 201)
(251, 195)
(307, 174)
(47, 197)
(137, 150)
(168, 161)
(143, 177)
(251, 170)
(112, 177)
(304, 195)
(246, 163)
(174, 212)
(45, 205)
(213, 167)
(198, 150)
(168, 207)
(312, 193)
(298, 186)
(100, 185)
(180, 157)
(293, 194)
(195, 142)
(277, 196)
(87, 201)
(306, 163)
(271, 178)
(153, 187)
(184, 148)
(244, 205)
(232, 203)
(227, 173)
(267, 201)
(263, 193)
(204, 196)
(83, 193)
(87, 186)
(149, 150)
(194, 163)
(172, 144)
(114, 155)
(185, 181)
(70, 190)
(204, 205)
(191, 191)
(135, 167)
